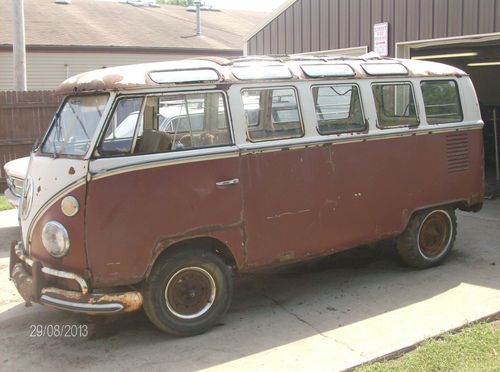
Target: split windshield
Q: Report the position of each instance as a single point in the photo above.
(74, 125)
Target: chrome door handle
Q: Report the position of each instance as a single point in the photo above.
(234, 181)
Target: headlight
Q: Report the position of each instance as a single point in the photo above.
(55, 239)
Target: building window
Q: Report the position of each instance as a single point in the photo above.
(338, 108)
(441, 101)
(395, 105)
(272, 114)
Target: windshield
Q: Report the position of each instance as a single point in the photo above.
(74, 125)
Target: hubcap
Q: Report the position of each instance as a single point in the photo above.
(435, 234)
(190, 292)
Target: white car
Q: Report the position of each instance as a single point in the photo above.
(15, 171)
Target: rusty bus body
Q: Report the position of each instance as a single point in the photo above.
(304, 157)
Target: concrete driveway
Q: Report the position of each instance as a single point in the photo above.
(330, 314)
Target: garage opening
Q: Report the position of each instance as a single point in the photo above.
(480, 58)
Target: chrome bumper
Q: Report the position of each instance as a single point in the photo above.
(32, 289)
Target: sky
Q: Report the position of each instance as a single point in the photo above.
(256, 5)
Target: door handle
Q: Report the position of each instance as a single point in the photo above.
(234, 181)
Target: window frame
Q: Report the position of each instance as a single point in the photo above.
(397, 82)
(273, 87)
(145, 95)
(365, 122)
(458, 97)
(39, 146)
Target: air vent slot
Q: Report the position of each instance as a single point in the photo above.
(457, 151)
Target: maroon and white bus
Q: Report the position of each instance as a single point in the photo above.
(156, 183)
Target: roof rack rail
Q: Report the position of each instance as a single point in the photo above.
(253, 59)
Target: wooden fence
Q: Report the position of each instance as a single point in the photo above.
(24, 117)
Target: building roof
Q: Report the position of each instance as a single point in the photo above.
(93, 23)
(143, 75)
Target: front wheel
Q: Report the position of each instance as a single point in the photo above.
(428, 238)
(188, 292)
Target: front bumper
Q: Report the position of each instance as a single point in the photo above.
(32, 288)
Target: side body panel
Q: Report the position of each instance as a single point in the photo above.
(132, 215)
(314, 201)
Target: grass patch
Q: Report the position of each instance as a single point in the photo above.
(4, 204)
(475, 348)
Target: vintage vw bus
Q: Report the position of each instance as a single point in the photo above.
(156, 183)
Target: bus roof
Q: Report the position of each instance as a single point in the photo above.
(250, 69)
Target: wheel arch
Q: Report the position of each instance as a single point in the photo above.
(208, 243)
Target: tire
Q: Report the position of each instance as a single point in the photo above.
(187, 292)
(428, 238)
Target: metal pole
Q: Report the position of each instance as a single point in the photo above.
(495, 131)
(197, 3)
(18, 45)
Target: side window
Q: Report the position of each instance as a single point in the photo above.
(120, 133)
(338, 108)
(194, 120)
(272, 114)
(167, 123)
(441, 101)
(395, 105)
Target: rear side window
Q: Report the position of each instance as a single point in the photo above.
(272, 114)
(442, 104)
(395, 104)
(338, 108)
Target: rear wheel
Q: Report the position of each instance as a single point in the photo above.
(188, 292)
(428, 238)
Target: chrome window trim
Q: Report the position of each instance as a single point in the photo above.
(458, 97)
(365, 121)
(171, 92)
(272, 87)
(417, 107)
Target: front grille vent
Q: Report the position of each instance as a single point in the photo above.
(457, 151)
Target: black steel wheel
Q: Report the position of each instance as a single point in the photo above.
(428, 238)
(188, 291)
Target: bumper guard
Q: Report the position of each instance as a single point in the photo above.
(32, 289)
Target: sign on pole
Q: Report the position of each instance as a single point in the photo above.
(381, 38)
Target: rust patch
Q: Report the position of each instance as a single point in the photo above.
(71, 171)
(130, 301)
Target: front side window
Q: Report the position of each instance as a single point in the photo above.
(272, 114)
(120, 132)
(338, 108)
(441, 101)
(75, 125)
(154, 124)
(395, 105)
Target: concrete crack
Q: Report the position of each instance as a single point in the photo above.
(296, 316)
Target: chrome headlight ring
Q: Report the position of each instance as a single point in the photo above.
(55, 239)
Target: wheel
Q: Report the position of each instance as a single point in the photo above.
(188, 292)
(428, 238)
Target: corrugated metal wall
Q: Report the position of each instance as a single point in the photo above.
(311, 25)
(48, 70)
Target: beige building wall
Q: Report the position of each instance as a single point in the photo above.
(45, 71)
